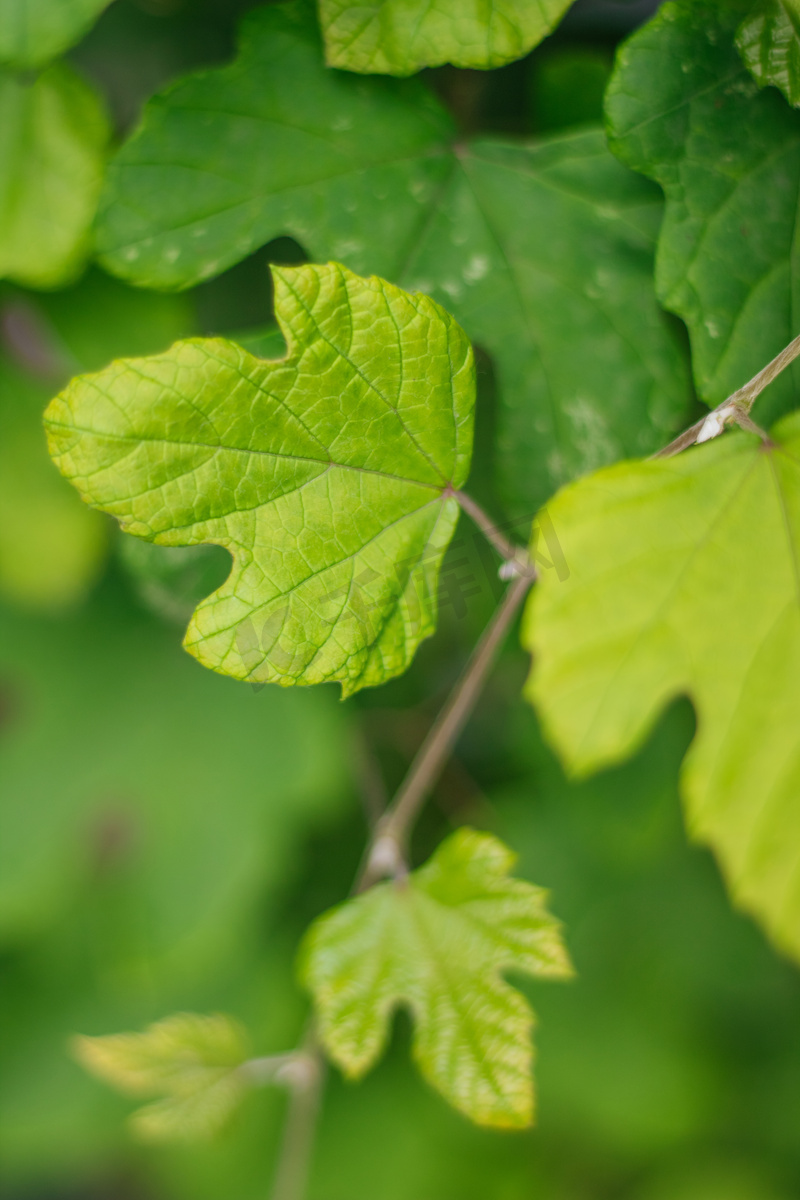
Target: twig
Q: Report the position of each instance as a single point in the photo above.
(736, 409)
(386, 853)
(508, 551)
(298, 1137)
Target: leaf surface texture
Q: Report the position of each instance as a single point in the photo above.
(328, 475)
(524, 244)
(399, 37)
(684, 580)
(436, 944)
(683, 109)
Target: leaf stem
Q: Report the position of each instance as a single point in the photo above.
(508, 551)
(386, 853)
(736, 409)
(301, 1122)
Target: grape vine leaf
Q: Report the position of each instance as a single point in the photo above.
(437, 942)
(53, 139)
(769, 43)
(329, 474)
(399, 37)
(532, 247)
(190, 1062)
(682, 109)
(34, 31)
(684, 580)
(524, 244)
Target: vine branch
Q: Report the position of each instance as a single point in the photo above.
(736, 409)
(386, 851)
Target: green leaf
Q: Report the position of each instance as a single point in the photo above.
(329, 474)
(34, 31)
(189, 1061)
(525, 244)
(436, 943)
(272, 142)
(684, 579)
(769, 43)
(399, 37)
(682, 109)
(51, 546)
(545, 255)
(53, 136)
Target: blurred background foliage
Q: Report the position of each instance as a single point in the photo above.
(166, 835)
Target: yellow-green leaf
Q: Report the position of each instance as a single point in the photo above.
(684, 579)
(437, 943)
(328, 475)
(399, 37)
(190, 1062)
(53, 136)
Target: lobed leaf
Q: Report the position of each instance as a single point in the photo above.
(769, 42)
(436, 943)
(525, 244)
(34, 31)
(683, 110)
(189, 1061)
(53, 138)
(328, 475)
(399, 37)
(684, 580)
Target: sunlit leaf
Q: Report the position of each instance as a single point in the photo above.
(53, 136)
(684, 579)
(769, 42)
(190, 1062)
(328, 475)
(683, 109)
(398, 37)
(437, 943)
(531, 247)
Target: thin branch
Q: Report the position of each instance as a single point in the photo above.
(385, 856)
(736, 409)
(298, 1137)
(386, 853)
(507, 549)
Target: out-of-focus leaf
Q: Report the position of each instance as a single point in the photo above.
(190, 1062)
(399, 37)
(683, 110)
(328, 475)
(53, 137)
(657, 604)
(51, 545)
(437, 943)
(532, 248)
(34, 31)
(769, 43)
